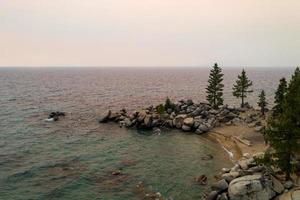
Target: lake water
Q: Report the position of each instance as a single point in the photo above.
(74, 157)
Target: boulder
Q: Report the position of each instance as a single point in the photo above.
(251, 187)
(189, 102)
(277, 186)
(203, 128)
(186, 128)
(127, 122)
(228, 117)
(141, 116)
(188, 121)
(212, 195)
(202, 180)
(104, 116)
(246, 163)
(178, 121)
(148, 121)
(259, 128)
(198, 131)
(290, 195)
(230, 176)
(288, 184)
(223, 196)
(220, 185)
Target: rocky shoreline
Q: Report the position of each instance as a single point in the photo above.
(185, 115)
(247, 179)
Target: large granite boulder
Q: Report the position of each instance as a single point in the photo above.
(178, 121)
(141, 116)
(188, 121)
(148, 121)
(291, 195)
(251, 187)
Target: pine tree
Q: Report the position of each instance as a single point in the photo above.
(283, 132)
(240, 89)
(169, 104)
(279, 97)
(214, 89)
(262, 103)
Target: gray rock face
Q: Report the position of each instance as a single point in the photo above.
(251, 187)
(105, 116)
(220, 185)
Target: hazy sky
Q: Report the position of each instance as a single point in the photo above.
(150, 32)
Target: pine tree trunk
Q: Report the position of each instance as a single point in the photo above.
(242, 101)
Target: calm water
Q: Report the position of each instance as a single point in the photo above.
(74, 158)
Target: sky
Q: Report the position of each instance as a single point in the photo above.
(149, 32)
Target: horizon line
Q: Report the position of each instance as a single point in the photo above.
(139, 66)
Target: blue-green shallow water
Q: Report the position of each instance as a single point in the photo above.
(74, 157)
(79, 166)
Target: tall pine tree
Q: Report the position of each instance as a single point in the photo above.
(283, 132)
(279, 97)
(241, 87)
(214, 89)
(262, 103)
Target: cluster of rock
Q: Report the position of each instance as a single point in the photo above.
(186, 115)
(248, 180)
(54, 116)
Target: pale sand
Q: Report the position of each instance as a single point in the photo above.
(227, 137)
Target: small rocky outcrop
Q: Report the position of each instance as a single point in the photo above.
(247, 180)
(54, 116)
(186, 115)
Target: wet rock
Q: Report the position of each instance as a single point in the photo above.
(207, 157)
(220, 185)
(116, 173)
(156, 131)
(212, 195)
(198, 132)
(203, 128)
(202, 180)
(186, 128)
(105, 116)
